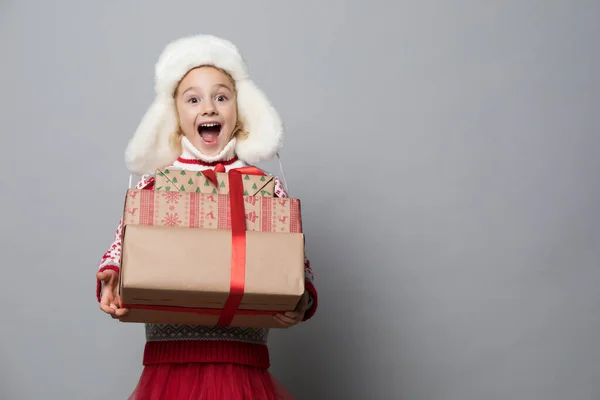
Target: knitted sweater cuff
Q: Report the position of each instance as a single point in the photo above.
(310, 288)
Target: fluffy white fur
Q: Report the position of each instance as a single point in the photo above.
(261, 121)
(149, 147)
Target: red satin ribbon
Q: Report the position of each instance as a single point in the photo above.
(238, 240)
(199, 311)
(238, 248)
(219, 168)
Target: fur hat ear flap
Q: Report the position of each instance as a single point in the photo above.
(149, 147)
(262, 123)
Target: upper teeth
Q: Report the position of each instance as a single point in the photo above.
(209, 125)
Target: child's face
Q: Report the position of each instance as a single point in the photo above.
(207, 109)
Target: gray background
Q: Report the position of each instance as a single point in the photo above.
(446, 154)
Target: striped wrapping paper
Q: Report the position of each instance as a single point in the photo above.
(201, 210)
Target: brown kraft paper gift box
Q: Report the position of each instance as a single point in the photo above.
(177, 252)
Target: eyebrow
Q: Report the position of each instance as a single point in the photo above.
(219, 85)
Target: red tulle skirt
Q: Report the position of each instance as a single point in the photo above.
(207, 382)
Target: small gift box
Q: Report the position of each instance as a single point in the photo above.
(179, 180)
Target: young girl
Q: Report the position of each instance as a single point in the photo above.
(207, 114)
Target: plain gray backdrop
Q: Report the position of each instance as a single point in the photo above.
(446, 153)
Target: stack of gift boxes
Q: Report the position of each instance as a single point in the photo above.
(211, 248)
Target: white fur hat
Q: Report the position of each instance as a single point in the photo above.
(149, 147)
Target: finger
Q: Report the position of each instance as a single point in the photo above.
(114, 302)
(280, 322)
(108, 289)
(118, 298)
(107, 302)
(107, 276)
(116, 305)
(121, 312)
(107, 309)
(284, 319)
(293, 314)
(106, 298)
(103, 276)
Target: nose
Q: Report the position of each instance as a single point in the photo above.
(208, 108)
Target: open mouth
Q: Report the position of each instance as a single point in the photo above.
(209, 131)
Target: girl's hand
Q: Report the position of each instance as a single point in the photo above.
(109, 298)
(292, 318)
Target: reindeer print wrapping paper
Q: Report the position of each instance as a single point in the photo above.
(201, 210)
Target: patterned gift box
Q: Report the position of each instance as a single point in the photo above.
(199, 210)
(180, 180)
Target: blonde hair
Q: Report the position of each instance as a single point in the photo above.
(238, 130)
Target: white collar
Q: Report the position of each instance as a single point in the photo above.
(191, 152)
